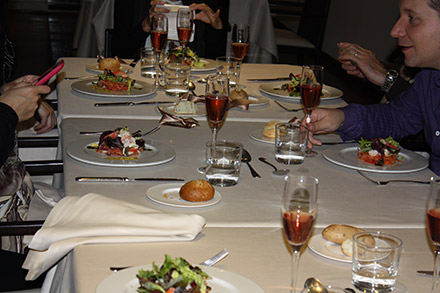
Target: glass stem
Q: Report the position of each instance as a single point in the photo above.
(156, 82)
(308, 119)
(214, 135)
(436, 279)
(238, 76)
(295, 261)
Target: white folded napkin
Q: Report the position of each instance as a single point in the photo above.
(94, 218)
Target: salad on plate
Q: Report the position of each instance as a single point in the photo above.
(187, 56)
(114, 81)
(379, 151)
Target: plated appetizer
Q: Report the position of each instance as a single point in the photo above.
(173, 276)
(114, 81)
(379, 151)
(187, 56)
(293, 87)
(120, 143)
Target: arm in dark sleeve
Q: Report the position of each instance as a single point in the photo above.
(8, 122)
(399, 86)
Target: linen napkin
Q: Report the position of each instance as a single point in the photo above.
(94, 218)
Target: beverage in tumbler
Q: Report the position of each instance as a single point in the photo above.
(239, 50)
(159, 40)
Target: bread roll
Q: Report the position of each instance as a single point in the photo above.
(197, 190)
(339, 233)
(347, 247)
(269, 128)
(238, 95)
(109, 64)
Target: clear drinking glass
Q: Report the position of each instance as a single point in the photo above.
(298, 210)
(312, 78)
(433, 225)
(216, 102)
(240, 43)
(159, 38)
(185, 19)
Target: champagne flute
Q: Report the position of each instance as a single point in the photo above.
(185, 18)
(240, 43)
(159, 37)
(310, 88)
(433, 225)
(216, 102)
(299, 208)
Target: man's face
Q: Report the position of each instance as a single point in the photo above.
(418, 32)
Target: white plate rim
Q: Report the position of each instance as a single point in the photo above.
(320, 246)
(75, 150)
(84, 87)
(333, 154)
(118, 282)
(94, 67)
(257, 134)
(155, 193)
(210, 65)
(267, 88)
(259, 100)
(201, 110)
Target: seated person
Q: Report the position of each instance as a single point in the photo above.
(418, 33)
(132, 27)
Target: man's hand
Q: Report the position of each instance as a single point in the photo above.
(207, 15)
(324, 121)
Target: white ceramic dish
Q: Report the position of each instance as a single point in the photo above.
(327, 249)
(201, 110)
(221, 281)
(210, 65)
(328, 92)
(345, 155)
(168, 194)
(257, 135)
(155, 154)
(140, 89)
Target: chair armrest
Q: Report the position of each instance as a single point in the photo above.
(41, 168)
(20, 228)
(38, 142)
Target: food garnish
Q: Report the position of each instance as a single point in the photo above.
(293, 88)
(379, 151)
(120, 143)
(114, 81)
(173, 276)
(187, 56)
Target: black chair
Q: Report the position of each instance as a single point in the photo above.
(307, 41)
(108, 43)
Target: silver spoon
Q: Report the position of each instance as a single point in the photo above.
(275, 171)
(191, 86)
(246, 158)
(313, 285)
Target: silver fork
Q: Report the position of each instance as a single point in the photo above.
(287, 109)
(209, 262)
(385, 182)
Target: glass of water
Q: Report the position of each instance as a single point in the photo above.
(289, 143)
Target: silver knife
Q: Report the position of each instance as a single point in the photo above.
(270, 79)
(132, 103)
(124, 179)
(427, 273)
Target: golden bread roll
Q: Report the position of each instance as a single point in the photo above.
(347, 247)
(339, 233)
(269, 128)
(109, 64)
(238, 95)
(197, 190)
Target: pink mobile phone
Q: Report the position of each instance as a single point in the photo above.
(50, 72)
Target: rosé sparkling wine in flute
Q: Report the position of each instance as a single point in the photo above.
(184, 35)
(239, 50)
(310, 95)
(216, 107)
(159, 40)
(297, 226)
(433, 221)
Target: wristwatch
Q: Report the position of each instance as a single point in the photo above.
(390, 79)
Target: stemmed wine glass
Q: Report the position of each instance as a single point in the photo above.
(185, 18)
(159, 38)
(311, 83)
(433, 225)
(299, 208)
(216, 102)
(240, 43)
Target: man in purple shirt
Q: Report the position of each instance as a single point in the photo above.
(418, 32)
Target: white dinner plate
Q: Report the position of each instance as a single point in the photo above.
(200, 111)
(209, 65)
(139, 89)
(94, 67)
(258, 101)
(257, 135)
(345, 155)
(328, 92)
(327, 249)
(168, 194)
(155, 154)
(221, 281)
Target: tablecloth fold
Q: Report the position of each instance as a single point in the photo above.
(94, 218)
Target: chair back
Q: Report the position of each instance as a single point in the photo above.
(313, 21)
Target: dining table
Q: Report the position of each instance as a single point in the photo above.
(246, 218)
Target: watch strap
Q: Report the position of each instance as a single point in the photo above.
(390, 79)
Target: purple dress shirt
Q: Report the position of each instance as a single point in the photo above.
(418, 108)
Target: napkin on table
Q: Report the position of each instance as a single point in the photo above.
(94, 218)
